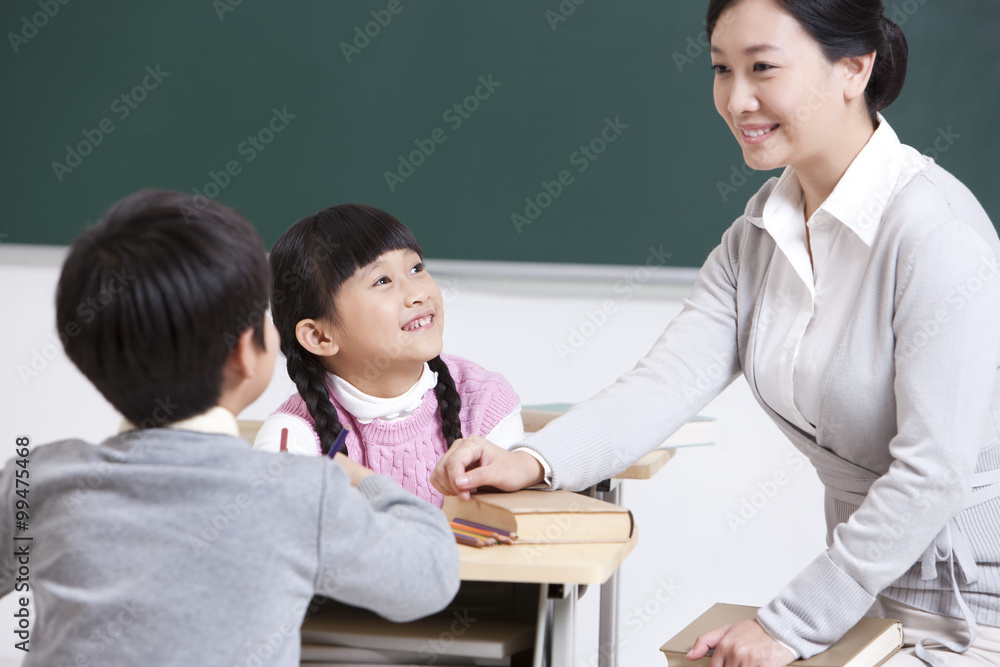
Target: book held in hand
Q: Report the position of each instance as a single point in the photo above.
(545, 517)
(868, 644)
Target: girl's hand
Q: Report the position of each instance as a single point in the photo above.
(354, 470)
(475, 461)
(743, 644)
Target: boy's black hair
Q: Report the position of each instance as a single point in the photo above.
(309, 263)
(152, 299)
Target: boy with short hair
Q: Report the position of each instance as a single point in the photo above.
(174, 542)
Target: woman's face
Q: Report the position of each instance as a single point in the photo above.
(781, 97)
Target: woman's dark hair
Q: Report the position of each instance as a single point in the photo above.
(152, 299)
(309, 263)
(845, 29)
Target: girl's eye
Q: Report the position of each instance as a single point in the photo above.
(720, 69)
(417, 268)
(384, 280)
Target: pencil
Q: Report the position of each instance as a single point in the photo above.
(487, 541)
(473, 524)
(284, 439)
(338, 444)
(481, 532)
(471, 541)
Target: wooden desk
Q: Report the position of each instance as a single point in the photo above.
(591, 563)
(559, 569)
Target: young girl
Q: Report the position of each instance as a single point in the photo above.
(361, 321)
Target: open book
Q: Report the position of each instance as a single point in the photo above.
(868, 644)
(545, 517)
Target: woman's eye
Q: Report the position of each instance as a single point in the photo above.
(762, 67)
(720, 69)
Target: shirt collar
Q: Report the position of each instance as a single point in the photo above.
(216, 421)
(859, 199)
(367, 408)
(864, 191)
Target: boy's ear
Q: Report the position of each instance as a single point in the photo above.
(242, 362)
(316, 337)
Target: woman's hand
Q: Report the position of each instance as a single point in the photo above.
(743, 644)
(355, 470)
(475, 461)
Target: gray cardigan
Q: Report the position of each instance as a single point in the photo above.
(909, 412)
(183, 548)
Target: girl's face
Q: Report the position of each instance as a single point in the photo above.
(779, 94)
(390, 319)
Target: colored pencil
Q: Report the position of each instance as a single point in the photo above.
(487, 541)
(338, 444)
(284, 439)
(480, 526)
(471, 541)
(484, 532)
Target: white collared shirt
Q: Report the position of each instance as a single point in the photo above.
(806, 306)
(217, 420)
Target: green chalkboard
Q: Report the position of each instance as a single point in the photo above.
(598, 112)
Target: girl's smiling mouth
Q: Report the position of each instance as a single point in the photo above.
(420, 322)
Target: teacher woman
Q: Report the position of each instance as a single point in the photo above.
(858, 295)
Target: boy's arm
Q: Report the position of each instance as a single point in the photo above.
(383, 548)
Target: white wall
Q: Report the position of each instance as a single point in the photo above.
(691, 552)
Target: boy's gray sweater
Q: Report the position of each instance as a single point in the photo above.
(174, 547)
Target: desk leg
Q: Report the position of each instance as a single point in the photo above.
(607, 643)
(563, 627)
(541, 626)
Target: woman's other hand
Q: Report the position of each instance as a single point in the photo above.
(743, 644)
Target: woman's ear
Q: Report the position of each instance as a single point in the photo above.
(857, 72)
(316, 337)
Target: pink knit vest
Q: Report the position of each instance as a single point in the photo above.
(407, 450)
